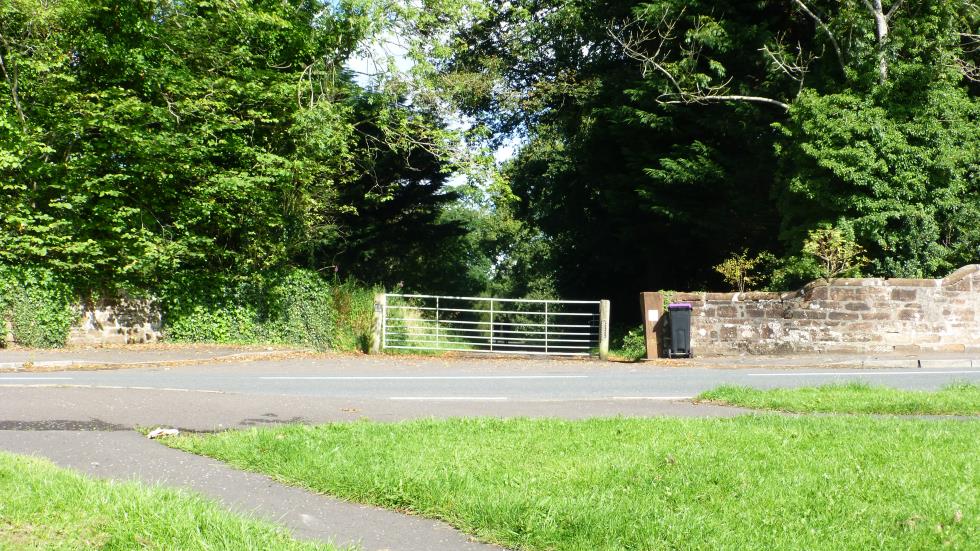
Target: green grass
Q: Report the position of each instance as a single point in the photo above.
(956, 399)
(752, 482)
(44, 507)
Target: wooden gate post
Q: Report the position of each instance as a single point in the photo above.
(652, 307)
(377, 335)
(603, 329)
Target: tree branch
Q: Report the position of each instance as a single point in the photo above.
(969, 70)
(893, 9)
(823, 26)
(11, 79)
(730, 97)
(635, 35)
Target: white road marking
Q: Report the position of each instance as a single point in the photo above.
(862, 373)
(454, 398)
(109, 387)
(657, 398)
(423, 377)
(35, 378)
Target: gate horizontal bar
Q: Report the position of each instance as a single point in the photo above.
(506, 345)
(487, 337)
(509, 324)
(494, 299)
(472, 310)
(443, 328)
(528, 352)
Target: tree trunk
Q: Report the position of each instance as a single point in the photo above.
(881, 29)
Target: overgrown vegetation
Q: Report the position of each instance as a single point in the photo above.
(742, 271)
(858, 397)
(628, 344)
(753, 482)
(44, 507)
(38, 305)
(295, 308)
(838, 254)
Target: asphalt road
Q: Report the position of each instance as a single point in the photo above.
(474, 380)
(222, 395)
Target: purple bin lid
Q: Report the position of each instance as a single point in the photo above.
(679, 306)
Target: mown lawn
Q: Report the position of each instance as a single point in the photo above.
(753, 482)
(44, 507)
(955, 399)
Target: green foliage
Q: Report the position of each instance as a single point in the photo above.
(793, 272)
(143, 139)
(297, 308)
(631, 345)
(838, 255)
(741, 271)
(38, 305)
(715, 126)
(902, 172)
(353, 313)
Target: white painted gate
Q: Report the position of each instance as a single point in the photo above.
(492, 325)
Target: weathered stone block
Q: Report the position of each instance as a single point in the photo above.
(725, 311)
(964, 314)
(857, 306)
(757, 296)
(903, 295)
(816, 293)
(799, 314)
(843, 316)
(754, 312)
(903, 282)
(857, 282)
(906, 348)
(878, 315)
(909, 315)
(957, 347)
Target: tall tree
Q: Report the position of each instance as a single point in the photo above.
(140, 138)
(662, 136)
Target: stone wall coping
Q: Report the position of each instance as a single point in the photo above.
(904, 282)
(961, 274)
(759, 296)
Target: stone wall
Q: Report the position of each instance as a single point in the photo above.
(845, 315)
(118, 321)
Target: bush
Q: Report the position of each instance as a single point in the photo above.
(632, 345)
(38, 306)
(297, 307)
(353, 307)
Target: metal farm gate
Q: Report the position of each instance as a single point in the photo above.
(491, 325)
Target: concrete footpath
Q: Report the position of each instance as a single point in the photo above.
(18, 359)
(130, 456)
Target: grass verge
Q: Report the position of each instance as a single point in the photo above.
(752, 482)
(44, 507)
(955, 399)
